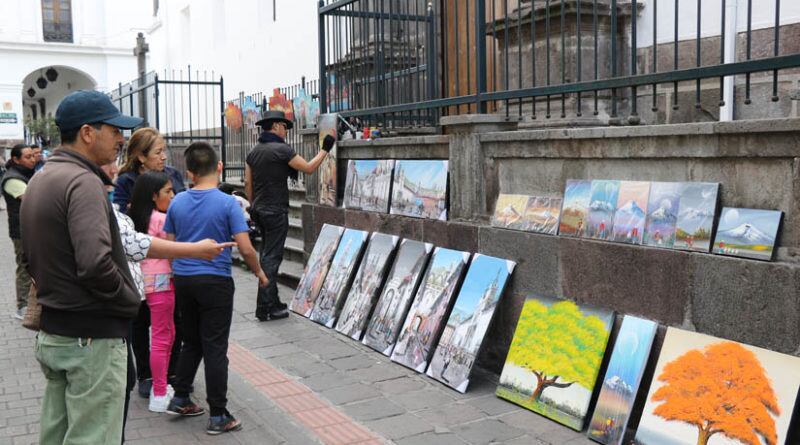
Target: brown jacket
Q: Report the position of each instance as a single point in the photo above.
(71, 239)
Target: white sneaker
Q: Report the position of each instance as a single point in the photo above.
(158, 404)
(19, 314)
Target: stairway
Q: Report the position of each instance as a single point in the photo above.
(293, 256)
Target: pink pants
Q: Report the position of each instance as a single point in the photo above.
(162, 332)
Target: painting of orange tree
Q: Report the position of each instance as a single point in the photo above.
(555, 357)
(710, 391)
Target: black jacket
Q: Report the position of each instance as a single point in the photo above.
(13, 204)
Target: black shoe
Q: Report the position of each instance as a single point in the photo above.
(144, 388)
(222, 424)
(173, 380)
(281, 305)
(274, 314)
(183, 406)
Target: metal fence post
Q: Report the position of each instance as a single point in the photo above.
(480, 56)
(323, 81)
(158, 115)
(222, 148)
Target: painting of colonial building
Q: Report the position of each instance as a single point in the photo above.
(316, 269)
(330, 299)
(327, 170)
(368, 185)
(419, 189)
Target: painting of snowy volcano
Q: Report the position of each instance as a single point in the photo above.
(509, 212)
(696, 212)
(630, 216)
(662, 214)
(602, 206)
(473, 311)
(575, 207)
(747, 233)
(542, 214)
(621, 383)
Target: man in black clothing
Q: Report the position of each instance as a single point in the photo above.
(269, 166)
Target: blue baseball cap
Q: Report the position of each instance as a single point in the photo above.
(91, 107)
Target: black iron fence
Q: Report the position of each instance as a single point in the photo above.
(407, 62)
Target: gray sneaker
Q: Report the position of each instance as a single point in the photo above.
(20, 313)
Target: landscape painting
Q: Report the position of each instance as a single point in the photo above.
(575, 207)
(364, 291)
(621, 383)
(710, 391)
(306, 109)
(662, 214)
(334, 289)
(368, 185)
(327, 170)
(602, 205)
(469, 320)
(630, 216)
(696, 212)
(747, 233)
(509, 212)
(316, 270)
(554, 359)
(397, 295)
(419, 189)
(423, 324)
(542, 214)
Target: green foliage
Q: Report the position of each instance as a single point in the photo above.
(44, 128)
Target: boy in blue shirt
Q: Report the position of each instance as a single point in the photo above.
(204, 289)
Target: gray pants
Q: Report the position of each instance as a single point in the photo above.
(23, 280)
(274, 228)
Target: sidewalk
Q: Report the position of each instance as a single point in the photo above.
(291, 382)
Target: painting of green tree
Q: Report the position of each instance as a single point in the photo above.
(555, 358)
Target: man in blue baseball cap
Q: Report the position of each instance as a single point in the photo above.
(76, 258)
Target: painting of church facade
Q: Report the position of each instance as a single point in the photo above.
(419, 189)
(366, 285)
(327, 170)
(397, 295)
(696, 212)
(334, 290)
(316, 269)
(469, 320)
(368, 185)
(424, 321)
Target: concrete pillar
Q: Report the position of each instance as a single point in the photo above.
(469, 173)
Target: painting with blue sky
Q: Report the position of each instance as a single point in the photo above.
(368, 185)
(630, 216)
(662, 214)
(621, 383)
(419, 189)
(696, 212)
(334, 290)
(602, 206)
(747, 233)
(575, 207)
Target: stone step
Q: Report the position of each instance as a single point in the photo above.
(295, 209)
(289, 273)
(293, 250)
(295, 228)
(297, 194)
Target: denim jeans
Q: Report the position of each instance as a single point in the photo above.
(274, 227)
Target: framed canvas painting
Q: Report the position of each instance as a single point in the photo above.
(397, 295)
(279, 102)
(419, 189)
(368, 185)
(662, 214)
(334, 290)
(364, 291)
(630, 215)
(602, 206)
(509, 212)
(711, 391)
(575, 208)
(696, 213)
(542, 214)
(555, 357)
(469, 320)
(327, 170)
(316, 270)
(747, 233)
(423, 324)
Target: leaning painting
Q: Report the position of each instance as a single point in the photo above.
(327, 170)
(419, 189)
(747, 233)
(316, 269)
(334, 290)
(575, 207)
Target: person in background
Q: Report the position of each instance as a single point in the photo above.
(37, 155)
(14, 184)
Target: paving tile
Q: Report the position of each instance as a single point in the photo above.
(300, 402)
(373, 409)
(350, 393)
(360, 361)
(487, 431)
(320, 417)
(493, 405)
(400, 385)
(432, 438)
(343, 433)
(426, 398)
(325, 381)
(451, 414)
(401, 426)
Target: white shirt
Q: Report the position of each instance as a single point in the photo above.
(136, 246)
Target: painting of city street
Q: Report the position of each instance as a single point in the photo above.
(710, 391)
(747, 233)
(621, 383)
(397, 295)
(469, 320)
(602, 206)
(419, 189)
(696, 212)
(630, 215)
(327, 170)
(334, 289)
(575, 207)
(364, 291)
(509, 212)
(368, 185)
(424, 321)
(316, 270)
(542, 214)
(554, 359)
(662, 214)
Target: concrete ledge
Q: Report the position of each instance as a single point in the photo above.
(475, 119)
(408, 147)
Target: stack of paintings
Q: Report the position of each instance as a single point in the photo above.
(555, 357)
(696, 213)
(662, 214)
(747, 233)
(419, 189)
(327, 170)
(576, 208)
(329, 302)
(527, 213)
(630, 215)
(397, 295)
(364, 291)
(423, 324)
(602, 206)
(469, 320)
(368, 185)
(621, 383)
(710, 391)
(316, 270)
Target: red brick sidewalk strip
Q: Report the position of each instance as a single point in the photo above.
(330, 425)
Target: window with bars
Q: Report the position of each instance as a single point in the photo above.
(57, 20)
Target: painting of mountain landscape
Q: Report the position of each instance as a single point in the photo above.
(316, 269)
(397, 295)
(334, 290)
(630, 216)
(542, 214)
(555, 357)
(696, 212)
(602, 206)
(419, 189)
(622, 379)
(575, 207)
(368, 185)
(509, 212)
(662, 214)
(469, 320)
(747, 233)
(711, 391)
